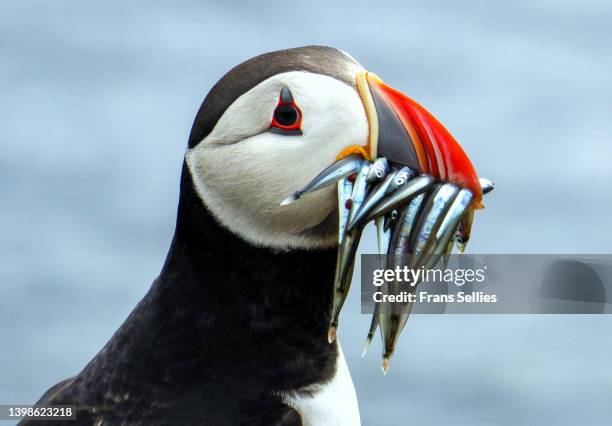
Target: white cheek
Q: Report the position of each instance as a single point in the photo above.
(248, 115)
(243, 183)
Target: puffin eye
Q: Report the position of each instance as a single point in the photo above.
(287, 117)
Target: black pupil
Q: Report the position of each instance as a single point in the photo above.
(285, 115)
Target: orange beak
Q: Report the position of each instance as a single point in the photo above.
(405, 133)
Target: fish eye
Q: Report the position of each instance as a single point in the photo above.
(287, 117)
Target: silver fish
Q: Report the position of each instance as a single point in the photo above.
(390, 219)
(390, 184)
(372, 330)
(391, 324)
(447, 252)
(360, 189)
(338, 170)
(423, 242)
(451, 220)
(345, 260)
(403, 194)
(378, 171)
(403, 175)
(486, 185)
(344, 274)
(414, 215)
(430, 220)
(372, 199)
(403, 231)
(464, 231)
(384, 238)
(345, 191)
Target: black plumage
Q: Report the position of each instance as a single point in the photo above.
(224, 327)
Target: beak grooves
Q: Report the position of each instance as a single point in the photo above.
(409, 135)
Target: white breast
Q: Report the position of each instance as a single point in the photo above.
(331, 404)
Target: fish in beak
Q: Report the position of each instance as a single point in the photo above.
(414, 181)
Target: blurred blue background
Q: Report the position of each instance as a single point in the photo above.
(96, 102)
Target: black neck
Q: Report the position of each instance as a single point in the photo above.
(235, 307)
(224, 327)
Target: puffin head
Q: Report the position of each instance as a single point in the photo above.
(275, 121)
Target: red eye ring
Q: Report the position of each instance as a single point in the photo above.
(287, 117)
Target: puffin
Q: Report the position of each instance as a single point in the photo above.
(234, 330)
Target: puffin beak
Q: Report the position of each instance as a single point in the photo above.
(414, 180)
(406, 134)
